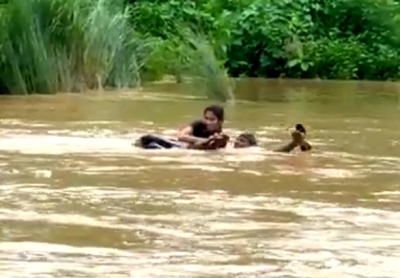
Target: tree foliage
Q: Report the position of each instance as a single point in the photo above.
(331, 39)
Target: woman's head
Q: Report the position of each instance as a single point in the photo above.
(214, 117)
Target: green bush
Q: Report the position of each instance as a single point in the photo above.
(332, 39)
(338, 39)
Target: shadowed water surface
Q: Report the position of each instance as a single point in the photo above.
(77, 200)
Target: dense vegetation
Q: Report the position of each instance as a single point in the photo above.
(48, 46)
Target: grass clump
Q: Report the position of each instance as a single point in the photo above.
(209, 72)
(49, 46)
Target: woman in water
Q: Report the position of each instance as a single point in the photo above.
(203, 134)
(206, 134)
(207, 131)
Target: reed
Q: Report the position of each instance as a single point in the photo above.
(208, 72)
(49, 46)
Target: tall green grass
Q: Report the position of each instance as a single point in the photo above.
(190, 56)
(49, 46)
(209, 72)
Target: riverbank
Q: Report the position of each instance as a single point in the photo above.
(48, 46)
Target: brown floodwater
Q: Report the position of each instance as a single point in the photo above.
(77, 200)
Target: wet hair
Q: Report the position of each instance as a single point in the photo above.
(249, 137)
(300, 128)
(217, 110)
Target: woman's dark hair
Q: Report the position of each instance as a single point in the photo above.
(217, 110)
(250, 138)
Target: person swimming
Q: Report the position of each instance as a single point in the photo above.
(243, 140)
(206, 134)
(207, 131)
(203, 134)
(246, 140)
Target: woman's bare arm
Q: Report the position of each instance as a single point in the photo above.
(214, 142)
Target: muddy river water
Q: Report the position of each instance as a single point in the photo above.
(77, 200)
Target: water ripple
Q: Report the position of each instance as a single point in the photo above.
(80, 201)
